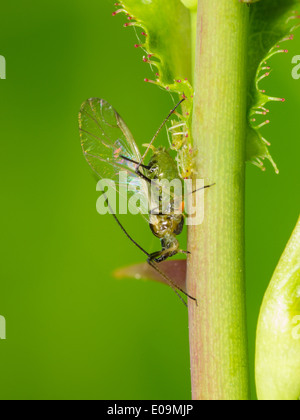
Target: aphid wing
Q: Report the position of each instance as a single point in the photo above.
(105, 138)
(129, 137)
(101, 137)
(135, 180)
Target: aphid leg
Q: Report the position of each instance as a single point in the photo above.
(156, 257)
(169, 282)
(139, 173)
(151, 261)
(133, 161)
(184, 252)
(177, 126)
(202, 188)
(157, 133)
(149, 258)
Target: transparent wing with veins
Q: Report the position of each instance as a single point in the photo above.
(105, 138)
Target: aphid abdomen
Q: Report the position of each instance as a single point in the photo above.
(166, 222)
(164, 225)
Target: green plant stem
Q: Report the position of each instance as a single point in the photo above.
(219, 359)
(194, 18)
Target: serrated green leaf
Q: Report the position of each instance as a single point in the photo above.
(170, 30)
(168, 41)
(272, 23)
(166, 30)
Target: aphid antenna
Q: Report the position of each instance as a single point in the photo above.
(150, 262)
(157, 133)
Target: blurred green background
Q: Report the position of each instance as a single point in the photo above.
(73, 331)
